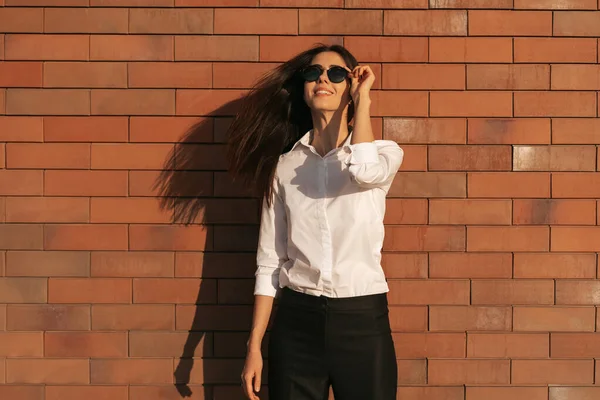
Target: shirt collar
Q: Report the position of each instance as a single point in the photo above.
(305, 140)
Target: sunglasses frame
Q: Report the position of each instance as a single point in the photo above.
(321, 69)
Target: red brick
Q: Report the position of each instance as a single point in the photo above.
(170, 392)
(376, 48)
(130, 156)
(406, 211)
(404, 265)
(171, 129)
(509, 291)
(555, 50)
(577, 292)
(26, 20)
(47, 317)
(20, 74)
(423, 76)
(575, 238)
(514, 238)
(554, 212)
(238, 75)
(85, 183)
(508, 77)
(47, 263)
(407, 319)
(430, 345)
(131, 48)
(85, 237)
(87, 392)
(399, 103)
(559, 372)
(142, 182)
(133, 317)
(429, 291)
(177, 291)
(49, 371)
(85, 344)
(132, 264)
(471, 104)
(216, 48)
(375, 3)
(555, 266)
(86, 290)
(507, 392)
(51, 3)
(85, 129)
(425, 23)
(551, 4)
(134, 371)
(85, 75)
(472, 212)
(510, 23)
(507, 345)
(216, 3)
(127, 210)
(248, 21)
(21, 237)
(210, 265)
(459, 372)
(47, 209)
(46, 47)
(509, 184)
(48, 101)
(168, 344)
(425, 130)
(208, 102)
(304, 3)
(576, 77)
(470, 265)
(3, 317)
(133, 101)
(430, 184)
(340, 22)
(21, 344)
(461, 158)
(555, 104)
(469, 318)
(2, 47)
(29, 392)
(85, 20)
(471, 49)
(424, 238)
(577, 319)
(415, 158)
(48, 156)
(235, 238)
(470, 3)
(579, 185)
(431, 392)
(170, 75)
(156, 237)
(132, 3)
(411, 372)
(554, 158)
(21, 129)
(21, 182)
(576, 23)
(175, 21)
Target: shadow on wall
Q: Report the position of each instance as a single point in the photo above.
(196, 189)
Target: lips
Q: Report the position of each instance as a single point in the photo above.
(321, 91)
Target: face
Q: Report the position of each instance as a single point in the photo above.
(322, 94)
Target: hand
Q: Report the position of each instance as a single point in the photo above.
(251, 375)
(362, 78)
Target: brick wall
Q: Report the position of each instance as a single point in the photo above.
(491, 238)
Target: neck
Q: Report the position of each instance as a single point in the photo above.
(330, 130)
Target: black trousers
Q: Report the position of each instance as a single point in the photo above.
(316, 342)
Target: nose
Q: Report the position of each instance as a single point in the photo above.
(323, 77)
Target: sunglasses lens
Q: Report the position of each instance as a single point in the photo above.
(337, 74)
(311, 73)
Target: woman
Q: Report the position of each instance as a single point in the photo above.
(323, 186)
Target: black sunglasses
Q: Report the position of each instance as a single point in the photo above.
(336, 74)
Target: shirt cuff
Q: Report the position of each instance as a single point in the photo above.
(266, 285)
(364, 153)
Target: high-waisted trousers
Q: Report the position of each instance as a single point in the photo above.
(346, 343)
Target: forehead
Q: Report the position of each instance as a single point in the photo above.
(328, 58)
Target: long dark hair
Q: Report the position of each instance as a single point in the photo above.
(272, 117)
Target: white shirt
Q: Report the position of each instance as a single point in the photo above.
(324, 231)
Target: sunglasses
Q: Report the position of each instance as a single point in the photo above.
(336, 74)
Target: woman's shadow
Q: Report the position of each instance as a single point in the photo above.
(195, 188)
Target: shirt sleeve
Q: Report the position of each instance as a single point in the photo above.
(272, 246)
(374, 164)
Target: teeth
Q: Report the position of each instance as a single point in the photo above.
(323, 92)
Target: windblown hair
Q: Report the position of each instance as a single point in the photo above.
(272, 117)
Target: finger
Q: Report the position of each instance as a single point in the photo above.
(248, 386)
(257, 379)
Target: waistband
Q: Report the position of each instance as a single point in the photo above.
(368, 302)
